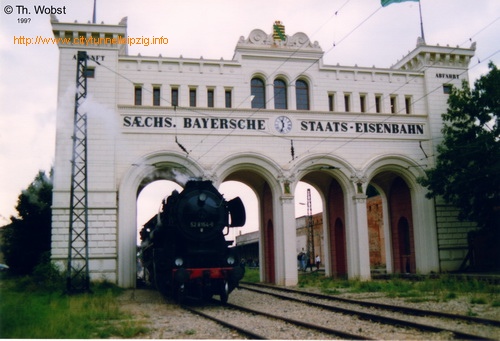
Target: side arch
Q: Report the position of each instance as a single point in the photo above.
(382, 172)
(264, 167)
(331, 177)
(263, 176)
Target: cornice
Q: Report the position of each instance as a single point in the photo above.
(424, 56)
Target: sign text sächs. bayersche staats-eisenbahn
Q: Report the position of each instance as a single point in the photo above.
(160, 122)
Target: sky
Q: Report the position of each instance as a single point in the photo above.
(350, 32)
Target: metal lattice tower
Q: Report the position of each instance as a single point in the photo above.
(77, 278)
(310, 228)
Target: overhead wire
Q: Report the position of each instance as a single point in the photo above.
(191, 109)
(295, 157)
(413, 102)
(300, 74)
(349, 140)
(204, 113)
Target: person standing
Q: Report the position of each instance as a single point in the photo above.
(303, 260)
(318, 262)
(299, 261)
(309, 262)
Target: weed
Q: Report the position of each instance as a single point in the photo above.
(333, 291)
(418, 300)
(450, 296)
(478, 300)
(190, 332)
(471, 313)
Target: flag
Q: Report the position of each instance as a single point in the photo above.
(385, 3)
(388, 2)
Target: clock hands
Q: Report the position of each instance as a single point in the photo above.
(282, 124)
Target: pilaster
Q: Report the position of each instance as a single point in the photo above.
(359, 242)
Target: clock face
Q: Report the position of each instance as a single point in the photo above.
(283, 124)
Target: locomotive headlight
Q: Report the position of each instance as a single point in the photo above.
(230, 260)
(179, 261)
(202, 198)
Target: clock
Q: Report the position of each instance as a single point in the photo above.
(283, 124)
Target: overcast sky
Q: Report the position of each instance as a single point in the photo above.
(351, 32)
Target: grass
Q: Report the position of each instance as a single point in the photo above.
(31, 310)
(441, 289)
(252, 275)
(35, 307)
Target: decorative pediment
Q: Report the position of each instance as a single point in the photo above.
(259, 38)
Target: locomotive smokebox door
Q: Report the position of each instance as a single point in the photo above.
(237, 212)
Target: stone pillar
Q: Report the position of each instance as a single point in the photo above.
(289, 241)
(359, 246)
(286, 270)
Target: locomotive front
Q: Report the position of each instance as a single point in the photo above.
(184, 250)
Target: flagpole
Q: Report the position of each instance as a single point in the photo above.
(421, 22)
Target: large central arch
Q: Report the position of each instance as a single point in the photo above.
(160, 165)
(258, 173)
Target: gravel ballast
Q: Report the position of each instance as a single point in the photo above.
(166, 320)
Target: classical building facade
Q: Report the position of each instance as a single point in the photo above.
(270, 117)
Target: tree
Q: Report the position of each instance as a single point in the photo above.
(27, 237)
(467, 171)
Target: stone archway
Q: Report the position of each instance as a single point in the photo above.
(398, 213)
(262, 189)
(331, 182)
(261, 176)
(165, 166)
(402, 197)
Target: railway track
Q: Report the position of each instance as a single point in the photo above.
(259, 325)
(446, 325)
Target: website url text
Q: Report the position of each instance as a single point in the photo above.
(40, 40)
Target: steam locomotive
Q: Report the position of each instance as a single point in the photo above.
(183, 250)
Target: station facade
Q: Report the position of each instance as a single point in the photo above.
(270, 117)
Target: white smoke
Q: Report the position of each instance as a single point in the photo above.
(99, 116)
(181, 178)
(159, 172)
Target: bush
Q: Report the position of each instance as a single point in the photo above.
(26, 238)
